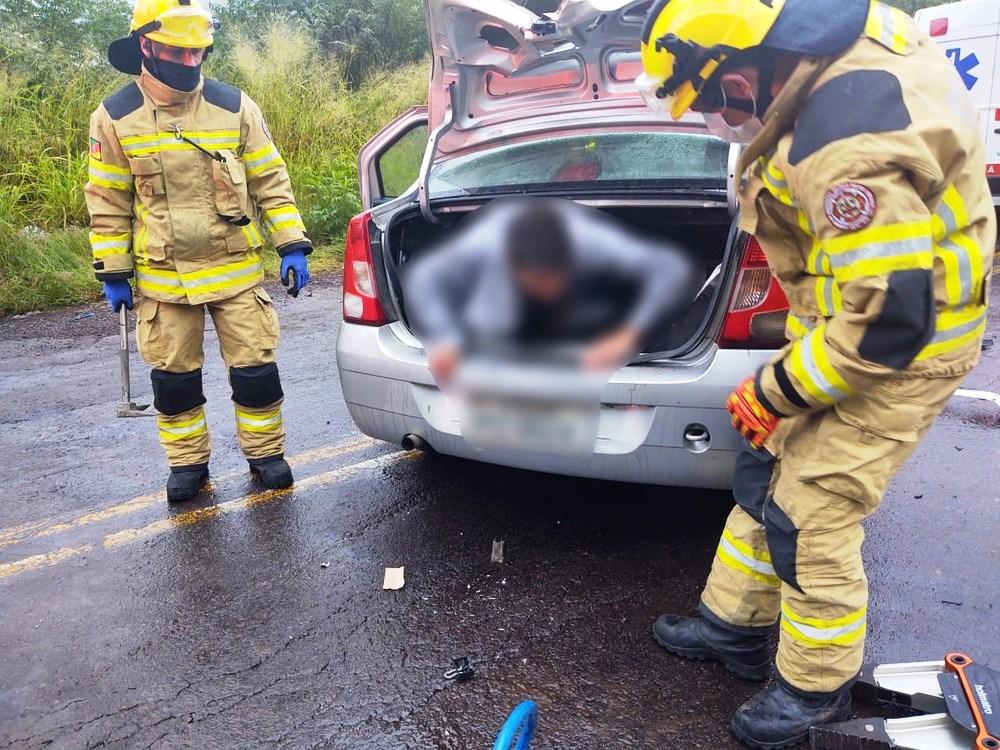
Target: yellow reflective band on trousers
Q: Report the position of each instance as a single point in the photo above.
(266, 422)
(171, 432)
(262, 160)
(961, 257)
(881, 250)
(286, 217)
(155, 143)
(742, 558)
(109, 176)
(813, 632)
(208, 280)
(888, 26)
(809, 364)
(104, 246)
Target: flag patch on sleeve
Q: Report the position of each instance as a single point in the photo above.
(95, 149)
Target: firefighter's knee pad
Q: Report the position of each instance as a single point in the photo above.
(256, 387)
(783, 543)
(176, 392)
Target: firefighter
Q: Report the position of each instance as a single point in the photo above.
(863, 179)
(183, 173)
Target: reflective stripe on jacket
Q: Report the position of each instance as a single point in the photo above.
(867, 191)
(187, 223)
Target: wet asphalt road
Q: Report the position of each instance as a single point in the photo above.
(258, 620)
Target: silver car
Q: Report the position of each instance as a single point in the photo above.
(526, 102)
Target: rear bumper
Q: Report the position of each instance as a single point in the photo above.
(646, 415)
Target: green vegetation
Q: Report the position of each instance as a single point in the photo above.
(317, 68)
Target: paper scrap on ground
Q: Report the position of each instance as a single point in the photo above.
(394, 579)
(497, 555)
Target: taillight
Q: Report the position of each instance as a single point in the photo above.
(758, 310)
(361, 302)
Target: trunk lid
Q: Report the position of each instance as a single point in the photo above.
(502, 65)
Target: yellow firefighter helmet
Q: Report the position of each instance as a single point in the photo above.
(179, 23)
(685, 41)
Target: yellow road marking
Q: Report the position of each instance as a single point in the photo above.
(42, 561)
(40, 529)
(194, 517)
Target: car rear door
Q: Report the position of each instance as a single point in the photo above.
(389, 164)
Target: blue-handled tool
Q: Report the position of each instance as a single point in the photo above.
(519, 729)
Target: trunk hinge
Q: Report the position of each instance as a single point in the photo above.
(423, 187)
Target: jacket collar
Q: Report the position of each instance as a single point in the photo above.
(162, 95)
(784, 110)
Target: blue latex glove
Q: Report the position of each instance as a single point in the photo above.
(295, 271)
(118, 293)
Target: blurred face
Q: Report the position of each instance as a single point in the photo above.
(192, 58)
(542, 284)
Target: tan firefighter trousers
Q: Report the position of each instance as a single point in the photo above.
(171, 338)
(791, 549)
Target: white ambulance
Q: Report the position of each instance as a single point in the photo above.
(969, 33)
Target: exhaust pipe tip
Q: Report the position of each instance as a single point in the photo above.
(414, 443)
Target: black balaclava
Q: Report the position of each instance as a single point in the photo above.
(175, 75)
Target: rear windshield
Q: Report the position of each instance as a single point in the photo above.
(607, 160)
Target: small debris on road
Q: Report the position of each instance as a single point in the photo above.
(954, 604)
(394, 579)
(85, 315)
(325, 565)
(462, 670)
(988, 344)
(497, 555)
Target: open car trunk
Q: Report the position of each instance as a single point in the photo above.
(706, 232)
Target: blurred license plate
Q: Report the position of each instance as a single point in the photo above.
(564, 429)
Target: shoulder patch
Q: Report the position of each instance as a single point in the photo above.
(862, 101)
(850, 206)
(124, 101)
(222, 95)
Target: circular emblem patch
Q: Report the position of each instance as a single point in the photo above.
(850, 206)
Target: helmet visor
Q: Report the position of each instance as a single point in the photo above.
(657, 99)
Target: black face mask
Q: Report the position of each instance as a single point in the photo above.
(175, 75)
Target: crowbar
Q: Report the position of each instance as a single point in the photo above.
(127, 407)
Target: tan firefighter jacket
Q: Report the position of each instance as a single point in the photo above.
(186, 222)
(868, 194)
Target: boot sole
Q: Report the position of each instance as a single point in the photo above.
(799, 740)
(744, 671)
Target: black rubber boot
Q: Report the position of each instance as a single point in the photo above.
(746, 655)
(185, 482)
(274, 472)
(776, 717)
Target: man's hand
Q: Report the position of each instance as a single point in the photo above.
(612, 351)
(443, 361)
(295, 271)
(118, 293)
(749, 416)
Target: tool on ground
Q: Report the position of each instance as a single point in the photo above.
(461, 670)
(959, 700)
(127, 407)
(519, 728)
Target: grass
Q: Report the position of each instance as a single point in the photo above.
(318, 123)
